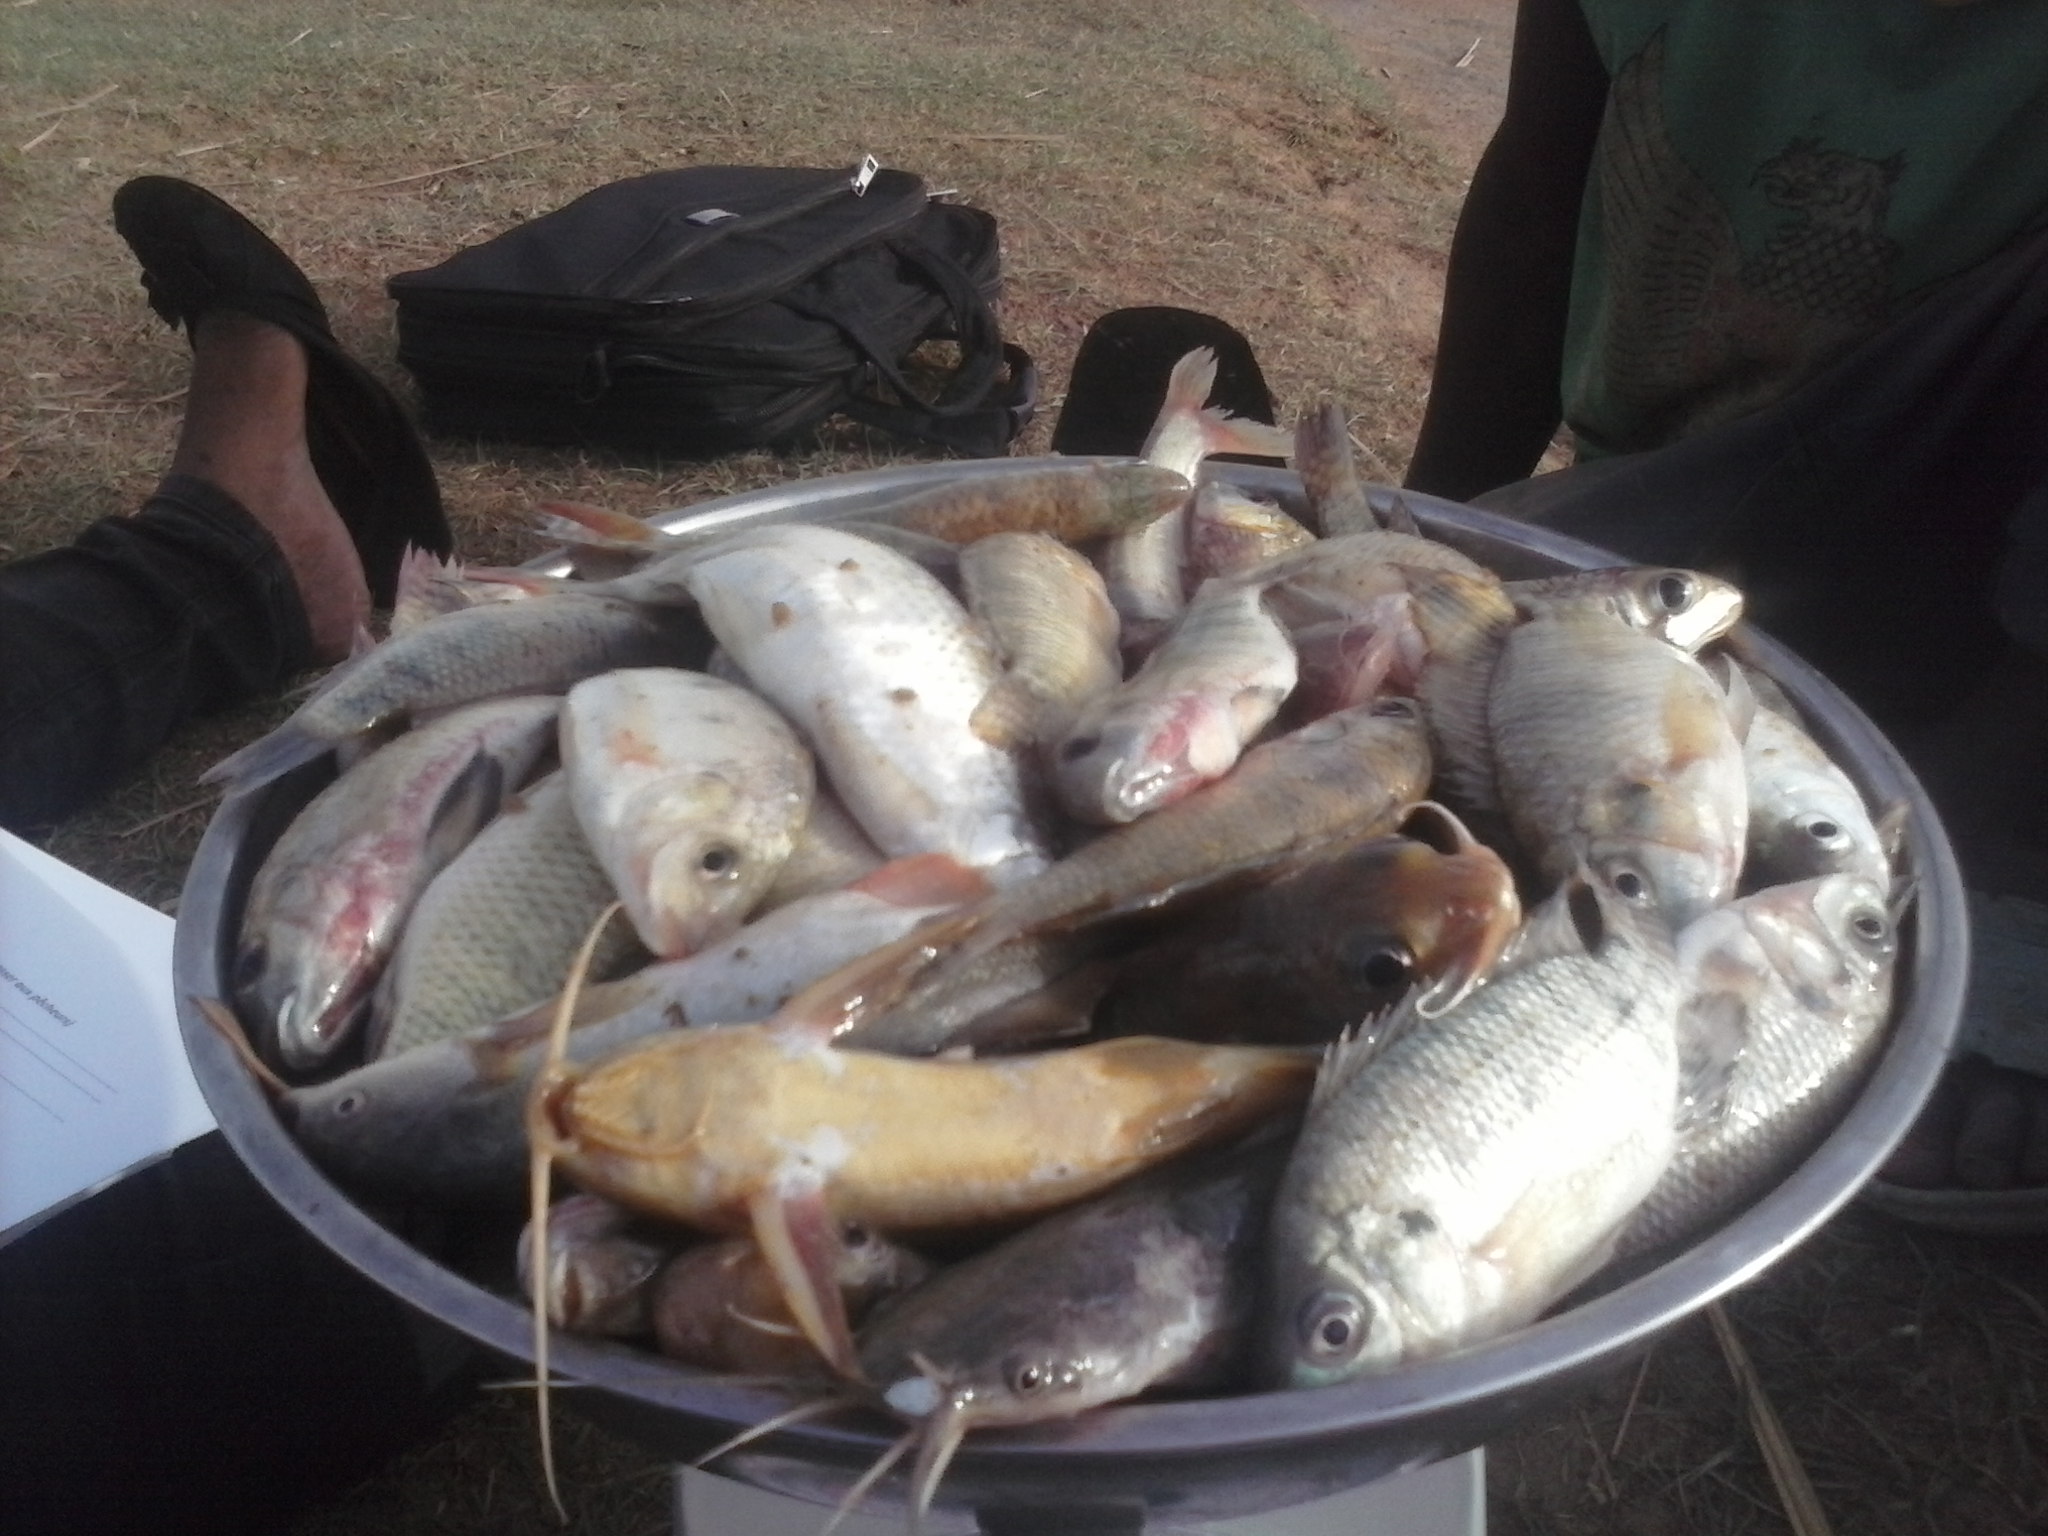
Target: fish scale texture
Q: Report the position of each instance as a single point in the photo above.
(498, 928)
(1464, 1178)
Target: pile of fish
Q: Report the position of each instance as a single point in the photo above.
(1045, 975)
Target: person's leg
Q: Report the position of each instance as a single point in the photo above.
(178, 1355)
(236, 574)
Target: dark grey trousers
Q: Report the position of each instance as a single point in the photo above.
(109, 644)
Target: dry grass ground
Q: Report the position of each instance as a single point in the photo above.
(1232, 158)
(1234, 161)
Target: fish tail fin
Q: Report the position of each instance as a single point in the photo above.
(924, 880)
(577, 522)
(1396, 516)
(266, 758)
(1003, 719)
(1188, 386)
(1223, 433)
(422, 579)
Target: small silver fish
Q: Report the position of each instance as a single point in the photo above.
(1806, 817)
(497, 929)
(1200, 699)
(1683, 608)
(1451, 1186)
(328, 905)
(1053, 627)
(539, 646)
(881, 670)
(1614, 750)
(691, 792)
(1787, 992)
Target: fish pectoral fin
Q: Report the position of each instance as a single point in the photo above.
(1713, 1032)
(1523, 1247)
(800, 1238)
(466, 805)
(611, 530)
(1059, 1010)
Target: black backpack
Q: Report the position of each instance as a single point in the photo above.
(702, 310)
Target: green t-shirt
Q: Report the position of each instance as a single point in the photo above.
(1774, 179)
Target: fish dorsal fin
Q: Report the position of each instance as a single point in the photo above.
(1395, 514)
(1360, 1046)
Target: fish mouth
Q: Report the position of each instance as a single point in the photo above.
(1145, 790)
(1479, 923)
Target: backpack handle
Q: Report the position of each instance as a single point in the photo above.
(961, 416)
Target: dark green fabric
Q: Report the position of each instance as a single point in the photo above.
(1775, 179)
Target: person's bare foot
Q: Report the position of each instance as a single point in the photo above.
(245, 432)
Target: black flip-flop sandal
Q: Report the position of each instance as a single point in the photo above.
(198, 254)
(1119, 378)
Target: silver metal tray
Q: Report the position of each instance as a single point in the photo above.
(1179, 1461)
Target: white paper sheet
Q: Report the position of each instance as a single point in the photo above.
(93, 1078)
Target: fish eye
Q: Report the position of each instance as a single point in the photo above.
(1825, 832)
(1394, 709)
(348, 1105)
(1628, 882)
(1332, 1326)
(1378, 965)
(719, 861)
(249, 966)
(1676, 591)
(1030, 1377)
(1073, 751)
(1870, 925)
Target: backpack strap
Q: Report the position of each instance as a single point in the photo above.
(961, 416)
(985, 430)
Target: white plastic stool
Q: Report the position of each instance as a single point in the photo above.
(1447, 1498)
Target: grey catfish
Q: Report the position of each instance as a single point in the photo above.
(1152, 1285)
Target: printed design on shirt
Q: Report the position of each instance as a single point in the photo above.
(1694, 331)
(1832, 257)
